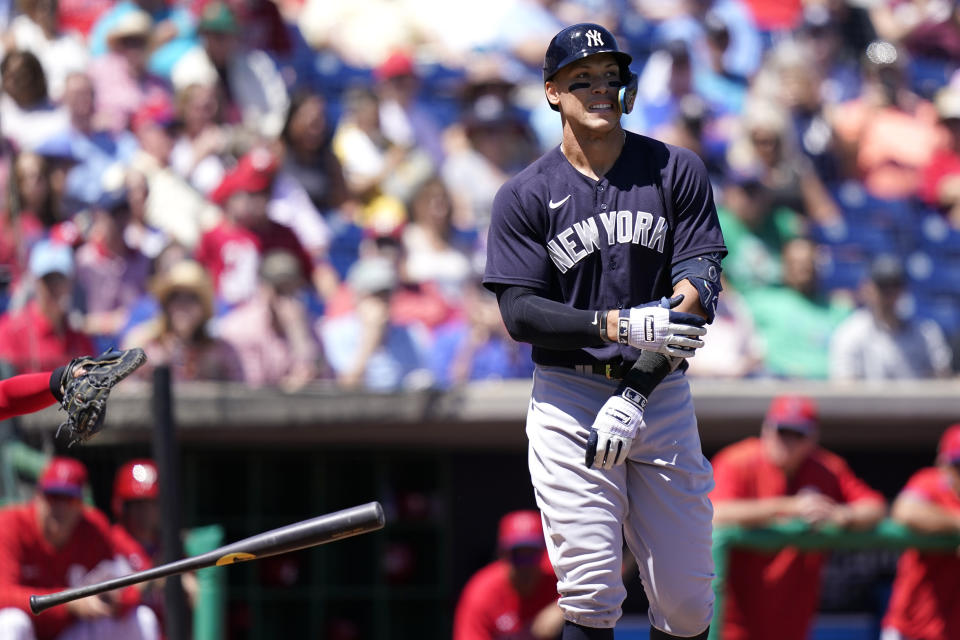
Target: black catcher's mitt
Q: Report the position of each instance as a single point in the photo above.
(85, 393)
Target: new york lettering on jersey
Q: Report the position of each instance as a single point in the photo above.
(576, 242)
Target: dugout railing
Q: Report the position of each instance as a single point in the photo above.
(886, 535)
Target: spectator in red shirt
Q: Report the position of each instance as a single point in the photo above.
(56, 542)
(923, 604)
(783, 474)
(39, 336)
(232, 250)
(515, 597)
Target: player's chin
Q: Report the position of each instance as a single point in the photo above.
(602, 122)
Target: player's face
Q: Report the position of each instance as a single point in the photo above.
(787, 448)
(58, 516)
(586, 91)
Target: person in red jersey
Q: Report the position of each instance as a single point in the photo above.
(514, 597)
(136, 532)
(55, 542)
(231, 251)
(783, 475)
(923, 604)
(39, 336)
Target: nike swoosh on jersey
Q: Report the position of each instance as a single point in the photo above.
(554, 205)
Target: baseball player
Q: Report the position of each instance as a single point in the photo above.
(605, 255)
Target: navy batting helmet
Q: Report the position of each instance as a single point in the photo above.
(586, 39)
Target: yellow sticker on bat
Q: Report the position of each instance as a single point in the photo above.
(232, 558)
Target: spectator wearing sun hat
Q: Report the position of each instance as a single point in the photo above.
(54, 542)
(516, 595)
(121, 80)
(784, 474)
(231, 251)
(923, 601)
(180, 335)
(174, 32)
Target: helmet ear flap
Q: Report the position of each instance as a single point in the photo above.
(627, 94)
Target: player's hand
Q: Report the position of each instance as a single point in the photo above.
(657, 327)
(614, 429)
(90, 608)
(814, 507)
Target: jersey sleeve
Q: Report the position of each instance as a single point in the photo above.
(12, 592)
(925, 485)
(516, 252)
(697, 229)
(729, 480)
(471, 621)
(25, 394)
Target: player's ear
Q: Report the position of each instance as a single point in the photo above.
(553, 95)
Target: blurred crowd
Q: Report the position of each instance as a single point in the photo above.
(296, 191)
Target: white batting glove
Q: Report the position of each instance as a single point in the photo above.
(614, 429)
(658, 328)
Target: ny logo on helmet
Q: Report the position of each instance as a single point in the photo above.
(594, 38)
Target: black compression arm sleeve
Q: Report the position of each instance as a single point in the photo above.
(647, 372)
(546, 323)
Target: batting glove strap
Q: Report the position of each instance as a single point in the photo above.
(661, 330)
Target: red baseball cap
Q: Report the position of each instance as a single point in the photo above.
(794, 412)
(157, 110)
(254, 173)
(949, 448)
(64, 476)
(136, 480)
(398, 63)
(520, 529)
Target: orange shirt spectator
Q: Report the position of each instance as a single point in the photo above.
(873, 127)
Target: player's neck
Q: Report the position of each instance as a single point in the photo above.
(592, 153)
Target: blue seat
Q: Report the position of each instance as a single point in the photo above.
(841, 273)
(938, 238)
(943, 309)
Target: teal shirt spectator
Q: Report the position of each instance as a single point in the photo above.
(162, 60)
(795, 330)
(753, 255)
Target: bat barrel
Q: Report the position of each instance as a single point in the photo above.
(308, 533)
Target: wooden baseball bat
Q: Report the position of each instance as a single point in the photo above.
(293, 537)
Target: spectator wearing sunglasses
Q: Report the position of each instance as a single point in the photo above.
(783, 475)
(923, 601)
(516, 595)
